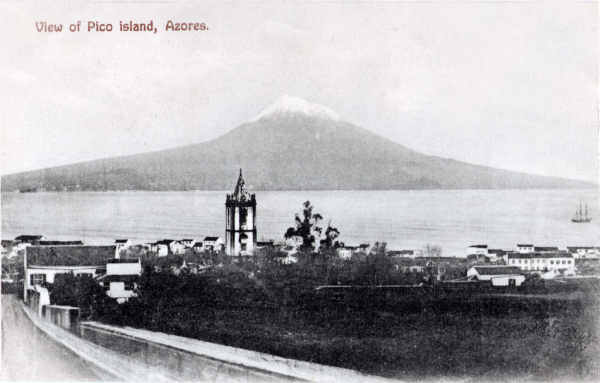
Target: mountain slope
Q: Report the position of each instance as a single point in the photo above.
(291, 145)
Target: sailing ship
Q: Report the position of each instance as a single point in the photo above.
(580, 217)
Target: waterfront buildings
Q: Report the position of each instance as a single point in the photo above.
(561, 262)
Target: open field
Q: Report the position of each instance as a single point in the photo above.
(485, 337)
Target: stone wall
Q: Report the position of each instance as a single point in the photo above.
(66, 317)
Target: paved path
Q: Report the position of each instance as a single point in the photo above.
(28, 354)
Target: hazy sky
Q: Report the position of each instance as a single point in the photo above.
(506, 84)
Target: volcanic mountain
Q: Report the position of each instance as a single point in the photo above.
(291, 145)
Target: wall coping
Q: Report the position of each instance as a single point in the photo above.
(63, 307)
(250, 359)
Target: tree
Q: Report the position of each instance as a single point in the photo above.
(307, 228)
(81, 291)
(331, 234)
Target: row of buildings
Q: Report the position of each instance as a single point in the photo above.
(43, 263)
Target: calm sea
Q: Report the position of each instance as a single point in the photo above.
(404, 219)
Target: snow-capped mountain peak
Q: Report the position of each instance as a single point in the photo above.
(293, 105)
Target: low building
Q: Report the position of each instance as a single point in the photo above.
(562, 262)
(213, 243)
(346, 251)
(177, 247)
(122, 244)
(159, 248)
(30, 239)
(198, 247)
(121, 278)
(524, 248)
(497, 275)
(477, 250)
(165, 247)
(401, 253)
(187, 242)
(43, 263)
(496, 255)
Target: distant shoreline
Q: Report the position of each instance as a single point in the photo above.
(591, 187)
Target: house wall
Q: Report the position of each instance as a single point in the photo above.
(504, 280)
(541, 264)
(162, 250)
(117, 290)
(123, 268)
(51, 273)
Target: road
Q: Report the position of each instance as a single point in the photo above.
(28, 354)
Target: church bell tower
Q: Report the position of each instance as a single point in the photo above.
(240, 225)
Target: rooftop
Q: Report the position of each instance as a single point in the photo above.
(58, 243)
(497, 270)
(545, 248)
(29, 237)
(123, 260)
(69, 255)
(540, 255)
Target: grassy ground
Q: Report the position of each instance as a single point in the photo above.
(489, 337)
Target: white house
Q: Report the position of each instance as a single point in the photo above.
(177, 247)
(160, 248)
(524, 248)
(43, 263)
(346, 252)
(562, 262)
(168, 246)
(497, 275)
(121, 244)
(120, 280)
(187, 242)
(212, 243)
